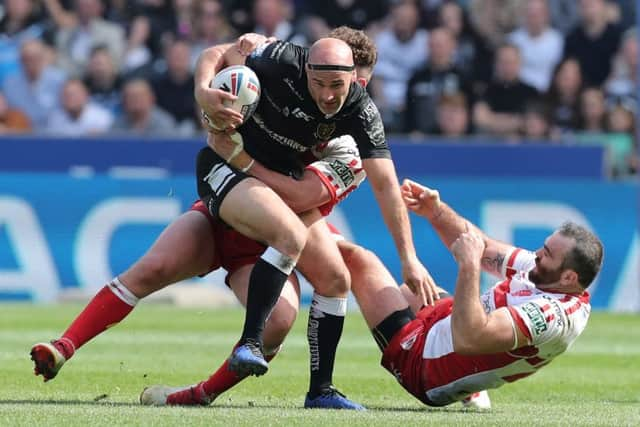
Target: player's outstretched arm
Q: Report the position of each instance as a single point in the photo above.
(384, 182)
(449, 225)
(474, 331)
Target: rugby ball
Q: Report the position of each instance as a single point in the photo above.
(241, 81)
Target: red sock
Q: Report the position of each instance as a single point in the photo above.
(223, 379)
(105, 310)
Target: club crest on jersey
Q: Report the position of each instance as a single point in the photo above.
(325, 130)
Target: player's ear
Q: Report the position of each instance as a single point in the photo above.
(569, 276)
(362, 81)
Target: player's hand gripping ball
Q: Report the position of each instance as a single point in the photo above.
(241, 81)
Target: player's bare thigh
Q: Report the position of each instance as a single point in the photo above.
(321, 261)
(376, 291)
(257, 212)
(284, 313)
(183, 250)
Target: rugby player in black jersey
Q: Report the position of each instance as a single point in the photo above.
(308, 96)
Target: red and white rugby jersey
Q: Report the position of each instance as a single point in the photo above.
(551, 321)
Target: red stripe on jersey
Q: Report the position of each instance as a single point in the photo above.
(512, 378)
(533, 361)
(512, 259)
(519, 322)
(500, 293)
(550, 317)
(575, 307)
(546, 307)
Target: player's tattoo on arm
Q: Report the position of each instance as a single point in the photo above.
(493, 263)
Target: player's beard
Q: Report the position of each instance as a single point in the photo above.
(544, 276)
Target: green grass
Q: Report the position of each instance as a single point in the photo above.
(596, 383)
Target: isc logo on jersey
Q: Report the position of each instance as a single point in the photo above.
(241, 81)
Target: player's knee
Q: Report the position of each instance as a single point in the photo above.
(334, 281)
(152, 272)
(278, 325)
(291, 242)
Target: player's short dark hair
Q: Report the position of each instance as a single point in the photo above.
(365, 53)
(585, 258)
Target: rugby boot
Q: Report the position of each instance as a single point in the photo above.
(331, 398)
(247, 359)
(49, 358)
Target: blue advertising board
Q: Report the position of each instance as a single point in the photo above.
(62, 232)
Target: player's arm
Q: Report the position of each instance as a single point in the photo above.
(325, 182)
(210, 62)
(449, 225)
(473, 330)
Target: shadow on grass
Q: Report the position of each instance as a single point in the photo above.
(248, 405)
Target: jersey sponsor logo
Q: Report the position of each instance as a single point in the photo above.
(325, 130)
(297, 112)
(291, 86)
(535, 314)
(343, 171)
(280, 139)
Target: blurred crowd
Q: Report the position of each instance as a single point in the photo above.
(558, 71)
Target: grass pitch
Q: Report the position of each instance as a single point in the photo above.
(597, 383)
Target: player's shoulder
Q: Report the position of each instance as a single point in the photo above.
(280, 52)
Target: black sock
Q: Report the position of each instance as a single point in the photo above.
(323, 333)
(265, 284)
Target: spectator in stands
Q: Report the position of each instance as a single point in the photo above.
(438, 77)
(472, 57)
(402, 49)
(623, 80)
(540, 45)
(500, 110)
(452, 116)
(12, 121)
(210, 28)
(137, 55)
(592, 110)
(140, 113)
(103, 80)
(35, 90)
(272, 18)
(20, 22)
(621, 117)
(78, 115)
(173, 88)
(494, 19)
(358, 14)
(564, 15)
(535, 123)
(594, 42)
(563, 96)
(87, 29)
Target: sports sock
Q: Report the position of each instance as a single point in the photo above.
(324, 329)
(110, 305)
(267, 279)
(223, 379)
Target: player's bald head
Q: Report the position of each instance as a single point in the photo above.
(329, 52)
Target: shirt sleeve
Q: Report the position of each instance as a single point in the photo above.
(538, 319)
(368, 132)
(273, 58)
(517, 260)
